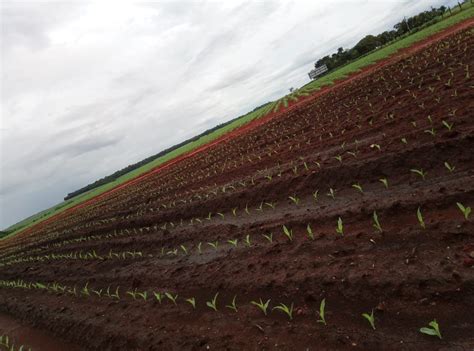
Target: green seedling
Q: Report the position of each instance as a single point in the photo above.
(247, 209)
(85, 290)
(449, 167)
(260, 208)
(159, 296)
(404, 141)
(192, 301)
(339, 158)
(420, 172)
(331, 193)
(172, 298)
(430, 131)
(143, 295)
(132, 294)
(234, 211)
(370, 318)
(466, 211)
(322, 307)
(233, 306)
(340, 226)
(115, 296)
(97, 292)
(420, 218)
(185, 250)
(433, 330)
(221, 215)
(294, 199)
(199, 248)
(376, 222)
(285, 309)
(309, 231)
(448, 126)
(263, 306)
(384, 181)
(269, 237)
(213, 244)
(358, 187)
(288, 233)
(233, 242)
(271, 205)
(247, 240)
(213, 303)
(315, 195)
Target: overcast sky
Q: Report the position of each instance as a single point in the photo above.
(89, 88)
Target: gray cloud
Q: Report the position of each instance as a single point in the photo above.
(90, 87)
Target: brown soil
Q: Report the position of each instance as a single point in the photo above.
(380, 123)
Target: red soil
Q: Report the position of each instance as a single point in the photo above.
(380, 123)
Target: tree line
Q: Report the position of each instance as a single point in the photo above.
(371, 42)
(114, 176)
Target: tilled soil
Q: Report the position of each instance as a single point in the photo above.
(393, 142)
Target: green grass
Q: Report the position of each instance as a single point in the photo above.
(328, 79)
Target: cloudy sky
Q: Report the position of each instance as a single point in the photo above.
(90, 87)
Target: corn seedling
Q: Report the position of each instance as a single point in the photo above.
(322, 308)
(158, 296)
(85, 290)
(384, 181)
(358, 187)
(315, 195)
(285, 309)
(263, 306)
(448, 126)
(420, 218)
(288, 233)
(404, 141)
(271, 205)
(433, 330)
(185, 250)
(370, 318)
(247, 209)
(233, 242)
(247, 240)
(449, 167)
(171, 297)
(294, 199)
(340, 226)
(309, 231)
(213, 303)
(192, 301)
(233, 306)
(430, 131)
(143, 295)
(234, 211)
(221, 215)
(339, 158)
(213, 244)
(269, 237)
(420, 172)
(376, 222)
(466, 211)
(331, 193)
(133, 294)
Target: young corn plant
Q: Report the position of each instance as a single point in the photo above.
(172, 298)
(213, 303)
(340, 226)
(288, 232)
(269, 237)
(158, 296)
(309, 231)
(233, 242)
(466, 211)
(433, 330)
(322, 308)
(247, 240)
(419, 216)
(315, 195)
(263, 306)
(285, 309)
(233, 306)
(384, 181)
(448, 126)
(192, 301)
(449, 167)
(199, 248)
(331, 193)
(370, 318)
(419, 172)
(213, 244)
(234, 211)
(376, 223)
(295, 199)
(358, 187)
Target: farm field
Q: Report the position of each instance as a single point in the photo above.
(273, 107)
(342, 222)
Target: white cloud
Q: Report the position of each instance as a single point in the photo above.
(90, 87)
